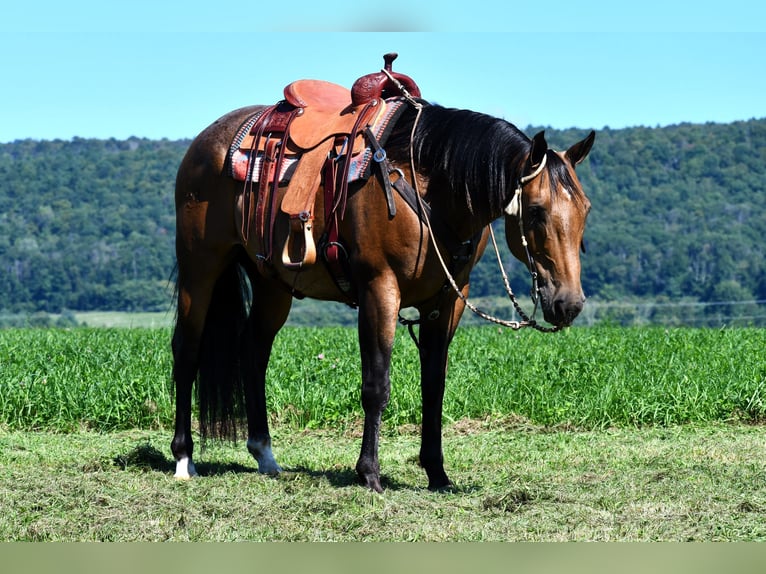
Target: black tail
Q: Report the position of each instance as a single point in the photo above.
(224, 364)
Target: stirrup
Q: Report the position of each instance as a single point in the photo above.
(300, 230)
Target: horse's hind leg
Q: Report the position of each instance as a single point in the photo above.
(270, 308)
(193, 301)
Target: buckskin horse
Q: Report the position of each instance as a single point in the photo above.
(268, 209)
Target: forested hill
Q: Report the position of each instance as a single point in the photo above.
(679, 213)
(87, 224)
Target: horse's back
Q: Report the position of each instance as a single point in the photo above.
(210, 147)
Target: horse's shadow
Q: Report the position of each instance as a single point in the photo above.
(339, 478)
(146, 457)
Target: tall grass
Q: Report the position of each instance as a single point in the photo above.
(614, 376)
(108, 379)
(104, 379)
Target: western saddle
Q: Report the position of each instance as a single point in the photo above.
(316, 125)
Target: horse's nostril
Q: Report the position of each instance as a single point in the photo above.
(566, 310)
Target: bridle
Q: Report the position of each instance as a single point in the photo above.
(513, 208)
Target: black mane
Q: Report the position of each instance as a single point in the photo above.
(479, 156)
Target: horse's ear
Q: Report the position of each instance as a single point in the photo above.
(578, 151)
(539, 148)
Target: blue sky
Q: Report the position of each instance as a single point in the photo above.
(167, 69)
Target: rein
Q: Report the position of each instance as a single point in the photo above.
(526, 321)
(513, 208)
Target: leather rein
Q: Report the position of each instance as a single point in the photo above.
(513, 208)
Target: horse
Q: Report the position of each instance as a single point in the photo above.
(467, 169)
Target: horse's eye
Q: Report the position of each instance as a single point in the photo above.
(536, 216)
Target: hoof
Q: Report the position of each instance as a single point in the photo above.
(369, 474)
(260, 449)
(270, 469)
(185, 469)
(438, 480)
(372, 482)
(441, 487)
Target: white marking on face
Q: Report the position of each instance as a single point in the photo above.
(185, 469)
(261, 451)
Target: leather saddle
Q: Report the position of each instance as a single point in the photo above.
(316, 120)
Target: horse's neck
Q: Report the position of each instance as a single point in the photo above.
(455, 212)
(461, 208)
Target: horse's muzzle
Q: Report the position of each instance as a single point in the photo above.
(563, 309)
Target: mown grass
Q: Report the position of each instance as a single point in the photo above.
(512, 483)
(116, 379)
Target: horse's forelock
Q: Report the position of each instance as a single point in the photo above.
(559, 175)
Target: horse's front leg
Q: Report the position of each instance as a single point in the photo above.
(435, 338)
(378, 308)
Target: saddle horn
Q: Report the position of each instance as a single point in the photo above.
(380, 85)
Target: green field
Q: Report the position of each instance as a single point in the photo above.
(117, 379)
(590, 434)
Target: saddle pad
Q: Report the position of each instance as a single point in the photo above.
(244, 167)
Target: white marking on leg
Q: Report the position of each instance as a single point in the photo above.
(261, 451)
(185, 469)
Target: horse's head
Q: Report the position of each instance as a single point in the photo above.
(550, 212)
